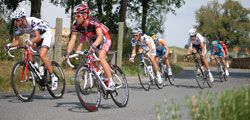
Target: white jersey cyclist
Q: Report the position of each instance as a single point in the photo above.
(35, 24)
(145, 39)
(196, 43)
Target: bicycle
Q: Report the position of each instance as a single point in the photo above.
(145, 73)
(164, 72)
(90, 83)
(201, 77)
(221, 71)
(24, 84)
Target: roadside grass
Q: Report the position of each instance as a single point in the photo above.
(5, 73)
(228, 105)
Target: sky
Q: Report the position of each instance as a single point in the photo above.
(176, 26)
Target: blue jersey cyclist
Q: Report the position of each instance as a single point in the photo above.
(162, 51)
(217, 51)
(146, 45)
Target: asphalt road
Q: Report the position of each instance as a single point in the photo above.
(140, 106)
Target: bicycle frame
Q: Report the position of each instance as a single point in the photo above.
(146, 66)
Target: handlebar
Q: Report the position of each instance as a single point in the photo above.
(185, 56)
(81, 53)
(18, 47)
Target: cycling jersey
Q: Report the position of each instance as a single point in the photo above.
(224, 47)
(217, 50)
(162, 44)
(145, 39)
(94, 24)
(35, 24)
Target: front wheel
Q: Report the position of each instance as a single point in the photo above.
(121, 94)
(219, 71)
(199, 76)
(143, 75)
(58, 93)
(23, 81)
(87, 89)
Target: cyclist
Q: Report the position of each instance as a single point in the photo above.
(217, 51)
(226, 52)
(160, 33)
(98, 37)
(41, 36)
(146, 44)
(197, 41)
(162, 50)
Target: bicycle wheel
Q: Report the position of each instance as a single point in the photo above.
(87, 89)
(199, 77)
(219, 72)
(143, 75)
(209, 83)
(58, 93)
(170, 77)
(224, 76)
(23, 86)
(159, 85)
(121, 94)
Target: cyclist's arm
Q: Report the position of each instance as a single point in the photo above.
(167, 50)
(79, 47)
(188, 50)
(202, 48)
(15, 42)
(72, 41)
(99, 37)
(133, 52)
(150, 47)
(36, 38)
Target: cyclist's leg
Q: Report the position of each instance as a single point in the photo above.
(153, 61)
(165, 57)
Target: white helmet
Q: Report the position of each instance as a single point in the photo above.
(137, 31)
(18, 13)
(192, 32)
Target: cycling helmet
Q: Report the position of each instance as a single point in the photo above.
(18, 13)
(192, 32)
(137, 31)
(161, 30)
(214, 43)
(155, 38)
(81, 9)
(221, 42)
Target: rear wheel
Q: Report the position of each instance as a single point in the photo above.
(58, 93)
(143, 75)
(121, 94)
(87, 89)
(23, 86)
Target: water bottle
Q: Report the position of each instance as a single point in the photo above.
(41, 70)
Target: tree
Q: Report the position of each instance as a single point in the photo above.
(228, 22)
(151, 13)
(35, 6)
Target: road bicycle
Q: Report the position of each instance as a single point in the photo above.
(90, 83)
(25, 75)
(221, 71)
(164, 72)
(200, 74)
(146, 74)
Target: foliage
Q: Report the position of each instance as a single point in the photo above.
(228, 105)
(151, 13)
(170, 112)
(228, 22)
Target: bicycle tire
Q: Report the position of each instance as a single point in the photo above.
(88, 94)
(158, 85)
(23, 90)
(209, 83)
(219, 72)
(121, 95)
(224, 76)
(58, 93)
(143, 75)
(199, 77)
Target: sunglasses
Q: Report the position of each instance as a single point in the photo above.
(78, 15)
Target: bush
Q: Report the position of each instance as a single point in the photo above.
(229, 105)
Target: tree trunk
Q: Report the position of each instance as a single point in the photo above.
(36, 8)
(123, 10)
(144, 15)
(99, 6)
